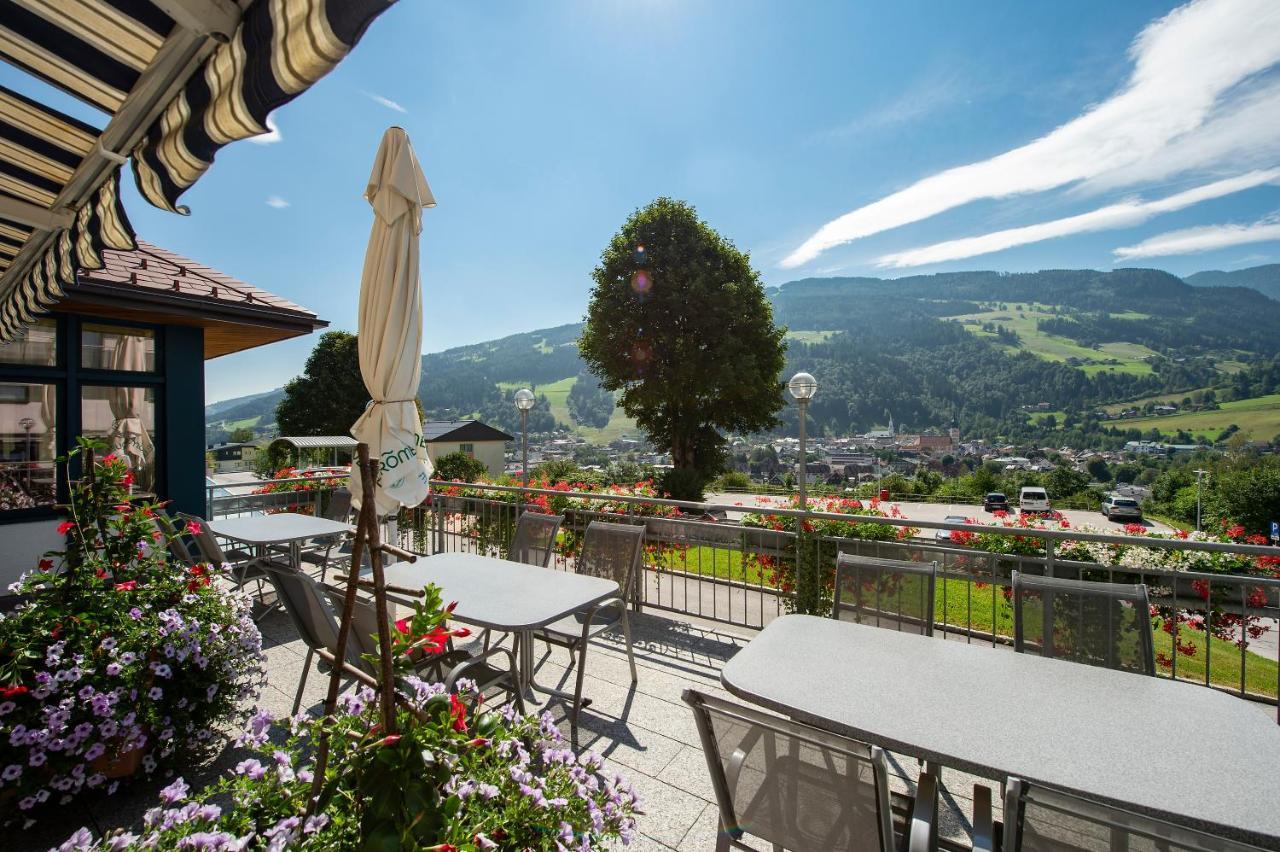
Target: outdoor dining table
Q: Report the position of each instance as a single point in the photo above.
(291, 528)
(1180, 752)
(498, 594)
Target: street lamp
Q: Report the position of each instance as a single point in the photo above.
(803, 386)
(27, 424)
(1200, 474)
(524, 401)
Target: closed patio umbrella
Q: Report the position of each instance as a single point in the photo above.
(129, 437)
(391, 327)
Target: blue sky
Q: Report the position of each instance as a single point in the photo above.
(1130, 136)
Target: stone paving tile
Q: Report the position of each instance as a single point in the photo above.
(669, 813)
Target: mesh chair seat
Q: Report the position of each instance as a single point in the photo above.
(889, 593)
(1039, 818)
(1099, 624)
(569, 628)
(799, 787)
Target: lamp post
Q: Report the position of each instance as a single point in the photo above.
(1200, 474)
(803, 386)
(27, 424)
(524, 401)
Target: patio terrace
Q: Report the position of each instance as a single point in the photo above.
(644, 732)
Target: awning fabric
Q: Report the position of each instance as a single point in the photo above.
(177, 81)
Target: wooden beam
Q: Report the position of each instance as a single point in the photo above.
(33, 215)
(216, 18)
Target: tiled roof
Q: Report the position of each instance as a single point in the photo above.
(152, 268)
(461, 430)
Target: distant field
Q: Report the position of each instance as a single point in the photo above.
(811, 336)
(1038, 417)
(1021, 318)
(247, 422)
(1158, 399)
(1259, 417)
(557, 394)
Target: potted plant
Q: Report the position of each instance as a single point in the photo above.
(449, 778)
(118, 660)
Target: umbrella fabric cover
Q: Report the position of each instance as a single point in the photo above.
(129, 438)
(391, 327)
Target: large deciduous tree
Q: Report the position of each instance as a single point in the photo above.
(329, 395)
(680, 328)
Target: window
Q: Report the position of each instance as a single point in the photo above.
(37, 347)
(66, 377)
(28, 445)
(111, 347)
(468, 449)
(124, 418)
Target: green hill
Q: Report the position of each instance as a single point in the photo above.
(1264, 279)
(973, 349)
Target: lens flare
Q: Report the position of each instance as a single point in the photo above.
(641, 282)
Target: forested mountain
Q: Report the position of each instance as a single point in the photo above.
(1264, 279)
(974, 349)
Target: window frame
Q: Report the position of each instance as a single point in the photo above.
(68, 377)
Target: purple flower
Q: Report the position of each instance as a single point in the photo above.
(127, 658)
(37, 758)
(487, 791)
(82, 839)
(154, 693)
(135, 613)
(7, 707)
(252, 768)
(315, 823)
(12, 772)
(108, 643)
(175, 792)
(113, 669)
(95, 751)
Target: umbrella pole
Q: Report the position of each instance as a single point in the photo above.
(368, 475)
(367, 519)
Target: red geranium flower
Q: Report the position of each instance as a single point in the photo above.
(11, 691)
(458, 712)
(66, 527)
(127, 586)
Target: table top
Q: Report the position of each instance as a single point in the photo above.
(499, 594)
(1177, 751)
(276, 529)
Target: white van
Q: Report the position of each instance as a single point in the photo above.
(1033, 499)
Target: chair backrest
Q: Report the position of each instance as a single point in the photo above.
(339, 505)
(889, 593)
(1038, 818)
(792, 785)
(535, 538)
(175, 538)
(206, 543)
(611, 551)
(313, 616)
(1100, 624)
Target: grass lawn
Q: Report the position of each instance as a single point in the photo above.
(961, 603)
(1158, 399)
(557, 394)
(1259, 416)
(1022, 318)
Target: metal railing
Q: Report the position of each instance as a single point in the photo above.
(725, 571)
(226, 500)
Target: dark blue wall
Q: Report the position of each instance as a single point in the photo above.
(183, 445)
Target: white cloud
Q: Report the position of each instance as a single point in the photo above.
(277, 202)
(1207, 238)
(1184, 64)
(1125, 214)
(386, 102)
(272, 135)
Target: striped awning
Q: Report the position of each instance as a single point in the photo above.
(176, 81)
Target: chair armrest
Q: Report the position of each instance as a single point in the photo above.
(984, 837)
(618, 600)
(461, 669)
(922, 828)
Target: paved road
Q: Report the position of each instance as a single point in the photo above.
(940, 511)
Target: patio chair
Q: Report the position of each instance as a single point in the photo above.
(330, 550)
(612, 551)
(311, 608)
(176, 540)
(534, 541)
(798, 787)
(1037, 818)
(889, 593)
(1099, 624)
(243, 566)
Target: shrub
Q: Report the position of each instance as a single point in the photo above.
(118, 658)
(447, 779)
(735, 479)
(683, 483)
(459, 467)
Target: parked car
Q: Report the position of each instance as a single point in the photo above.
(945, 535)
(995, 501)
(1116, 507)
(1033, 499)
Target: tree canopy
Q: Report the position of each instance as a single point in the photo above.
(329, 395)
(679, 327)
